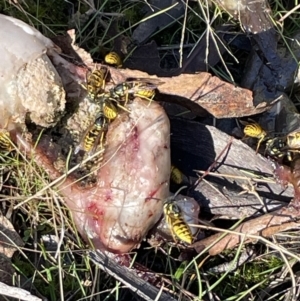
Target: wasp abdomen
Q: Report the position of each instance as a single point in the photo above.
(177, 225)
(5, 142)
(112, 58)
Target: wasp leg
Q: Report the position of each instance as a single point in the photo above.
(258, 144)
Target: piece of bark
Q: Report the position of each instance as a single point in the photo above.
(265, 226)
(195, 147)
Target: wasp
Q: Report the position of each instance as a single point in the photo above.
(107, 106)
(95, 82)
(293, 140)
(143, 87)
(112, 58)
(284, 146)
(254, 130)
(177, 176)
(94, 136)
(109, 110)
(275, 147)
(174, 218)
(278, 147)
(5, 142)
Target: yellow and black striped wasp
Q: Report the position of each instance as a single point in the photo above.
(275, 146)
(254, 130)
(178, 177)
(107, 107)
(95, 88)
(5, 142)
(94, 136)
(112, 58)
(141, 87)
(175, 220)
(95, 82)
(293, 140)
(287, 145)
(119, 96)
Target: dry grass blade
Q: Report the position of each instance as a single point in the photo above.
(289, 13)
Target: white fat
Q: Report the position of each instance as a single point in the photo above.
(28, 81)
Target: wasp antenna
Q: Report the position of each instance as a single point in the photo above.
(170, 198)
(181, 188)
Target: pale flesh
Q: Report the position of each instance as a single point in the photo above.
(133, 181)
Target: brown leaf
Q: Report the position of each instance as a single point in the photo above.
(203, 91)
